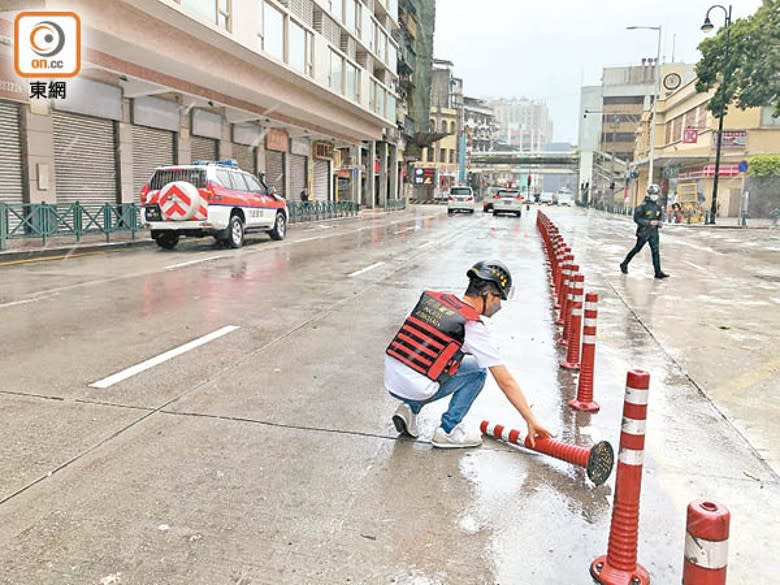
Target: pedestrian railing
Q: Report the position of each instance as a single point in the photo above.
(395, 204)
(45, 221)
(317, 210)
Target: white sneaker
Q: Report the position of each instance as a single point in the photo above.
(457, 438)
(405, 420)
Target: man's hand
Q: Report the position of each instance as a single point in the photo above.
(653, 223)
(536, 431)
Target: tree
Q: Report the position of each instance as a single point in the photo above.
(753, 76)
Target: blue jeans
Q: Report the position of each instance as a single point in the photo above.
(464, 386)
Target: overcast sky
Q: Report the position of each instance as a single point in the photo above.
(547, 49)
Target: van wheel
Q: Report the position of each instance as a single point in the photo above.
(235, 232)
(167, 241)
(280, 227)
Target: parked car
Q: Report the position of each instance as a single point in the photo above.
(460, 199)
(546, 198)
(210, 198)
(565, 197)
(508, 201)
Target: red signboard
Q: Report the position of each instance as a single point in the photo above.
(690, 136)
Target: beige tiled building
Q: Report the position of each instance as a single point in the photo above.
(279, 85)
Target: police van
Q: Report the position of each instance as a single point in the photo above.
(210, 198)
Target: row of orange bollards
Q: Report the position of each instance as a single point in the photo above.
(707, 528)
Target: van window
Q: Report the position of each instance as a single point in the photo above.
(162, 177)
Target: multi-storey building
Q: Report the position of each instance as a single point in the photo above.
(609, 114)
(685, 149)
(441, 159)
(278, 85)
(480, 123)
(523, 123)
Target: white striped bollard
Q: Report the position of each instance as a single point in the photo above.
(706, 543)
(619, 566)
(584, 400)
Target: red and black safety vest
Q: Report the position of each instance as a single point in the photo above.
(431, 338)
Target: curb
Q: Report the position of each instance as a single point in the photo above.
(85, 247)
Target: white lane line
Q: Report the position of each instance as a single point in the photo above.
(404, 230)
(425, 245)
(775, 300)
(163, 357)
(191, 262)
(366, 269)
(22, 302)
(696, 266)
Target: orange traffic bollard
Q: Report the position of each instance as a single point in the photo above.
(619, 566)
(584, 400)
(597, 460)
(706, 543)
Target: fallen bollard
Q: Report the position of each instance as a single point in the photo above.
(619, 566)
(597, 460)
(584, 400)
(706, 543)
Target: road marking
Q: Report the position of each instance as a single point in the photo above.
(404, 230)
(49, 258)
(25, 301)
(366, 269)
(191, 262)
(425, 245)
(163, 357)
(696, 266)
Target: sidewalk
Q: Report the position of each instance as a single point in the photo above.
(26, 248)
(721, 223)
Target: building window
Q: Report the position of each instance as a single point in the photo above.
(443, 155)
(260, 27)
(392, 56)
(337, 9)
(204, 8)
(336, 72)
(390, 106)
(452, 127)
(349, 14)
(452, 156)
(300, 48)
(352, 82)
(358, 19)
(223, 14)
(767, 120)
(432, 126)
(273, 31)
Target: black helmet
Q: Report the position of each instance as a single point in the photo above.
(495, 272)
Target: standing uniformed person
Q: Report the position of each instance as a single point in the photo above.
(648, 217)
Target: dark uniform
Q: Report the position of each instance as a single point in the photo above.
(646, 212)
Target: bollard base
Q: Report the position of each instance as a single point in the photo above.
(584, 406)
(605, 574)
(600, 462)
(570, 365)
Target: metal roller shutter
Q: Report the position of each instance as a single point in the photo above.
(84, 159)
(274, 171)
(152, 148)
(321, 180)
(203, 148)
(297, 175)
(10, 154)
(245, 155)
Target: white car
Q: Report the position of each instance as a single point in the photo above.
(508, 201)
(460, 199)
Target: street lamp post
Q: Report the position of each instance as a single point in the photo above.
(656, 94)
(707, 27)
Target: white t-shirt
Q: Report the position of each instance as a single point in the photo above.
(403, 381)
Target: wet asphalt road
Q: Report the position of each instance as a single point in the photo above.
(267, 455)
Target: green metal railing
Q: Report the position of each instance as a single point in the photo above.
(45, 221)
(316, 210)
(395, 204)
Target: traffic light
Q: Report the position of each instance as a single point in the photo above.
(529, 180)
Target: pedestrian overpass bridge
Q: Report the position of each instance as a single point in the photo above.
(550, 162)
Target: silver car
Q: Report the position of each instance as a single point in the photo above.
(460, 199)
(508, 201)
